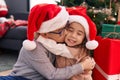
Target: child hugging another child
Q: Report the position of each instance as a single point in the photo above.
(79, 40)
(36, 59)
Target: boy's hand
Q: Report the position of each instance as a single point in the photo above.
(88, 63)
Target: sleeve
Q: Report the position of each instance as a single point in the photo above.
(41, 63)
(57, 49)
(3, 8)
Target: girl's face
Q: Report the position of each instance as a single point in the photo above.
(75, 34)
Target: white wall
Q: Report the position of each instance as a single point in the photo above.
(34, 2)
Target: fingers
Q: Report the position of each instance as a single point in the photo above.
(92, 66)
(93, 63)
(88, 63)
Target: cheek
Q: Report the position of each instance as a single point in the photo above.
(81, 38)
(60, 38)
(68, 36)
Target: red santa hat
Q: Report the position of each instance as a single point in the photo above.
(44, 18)
(78, 10)
(90, 28)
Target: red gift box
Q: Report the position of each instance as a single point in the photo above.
(107, 57)
(97, 75)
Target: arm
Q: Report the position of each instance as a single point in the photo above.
(41, 63)
(57, 49)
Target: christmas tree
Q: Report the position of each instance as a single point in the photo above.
(100, 11)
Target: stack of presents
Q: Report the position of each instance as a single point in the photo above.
(107, 55)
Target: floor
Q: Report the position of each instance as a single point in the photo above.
(7, 60)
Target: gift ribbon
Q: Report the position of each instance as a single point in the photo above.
(113, 30)
(116, 34)
(108, 77)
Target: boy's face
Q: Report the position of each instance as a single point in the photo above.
(75, 34)
(57, 35)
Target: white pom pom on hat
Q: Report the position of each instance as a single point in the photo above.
(44, 18)
(27, 45)
(78, 14)
(91, 45)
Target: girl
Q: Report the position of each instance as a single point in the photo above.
(76, 40)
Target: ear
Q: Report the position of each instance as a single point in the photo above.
(44, 35)
(36, 35)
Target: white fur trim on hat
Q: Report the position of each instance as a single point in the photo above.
(3, 6)
(29, 45)
(57, 22)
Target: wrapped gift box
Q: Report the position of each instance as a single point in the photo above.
(97, 75)
(108, 28)
(107, 58)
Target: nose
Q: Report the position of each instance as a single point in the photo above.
(73, 35)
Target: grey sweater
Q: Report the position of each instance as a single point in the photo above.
(38, 65)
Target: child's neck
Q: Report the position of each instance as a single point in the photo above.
(78, 53)
(74, 51)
